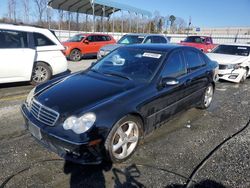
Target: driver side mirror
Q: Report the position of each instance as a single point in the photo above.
(86, 41)
(168, 82)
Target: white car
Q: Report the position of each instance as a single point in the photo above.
(29, 53)
(234, 61)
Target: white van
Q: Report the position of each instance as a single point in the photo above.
(29, 53)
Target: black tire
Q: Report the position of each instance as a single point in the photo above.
(41, 73)
(204, 104)
(112, 136)
(75, 55)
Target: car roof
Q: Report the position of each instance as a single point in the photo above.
(198, 36)
(143, 34)
(158, 47)
(22, 27)
(87, 34)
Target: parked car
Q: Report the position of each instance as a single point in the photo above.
(105, 111)
(234, 61)
(85, 45)
(29, 53)
(132, 39)
(203, 43)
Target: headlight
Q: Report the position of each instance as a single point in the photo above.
(103, 52)
(234, 66)
(81, 124)
(30, 97)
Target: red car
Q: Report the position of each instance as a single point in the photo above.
(203, 43)
(85, 45)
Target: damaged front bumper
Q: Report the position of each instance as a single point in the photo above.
(232, 75)
(82, 153)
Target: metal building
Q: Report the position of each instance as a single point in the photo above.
(102, 8)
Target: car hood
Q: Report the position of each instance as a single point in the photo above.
(224, 59)
(193, 44)
(111, 47)
(81, 92)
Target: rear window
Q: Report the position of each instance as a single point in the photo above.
(195, 39)
(41, 40)
(194, 60)
(13, 39)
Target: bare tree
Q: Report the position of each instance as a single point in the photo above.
(41, 6)
(26, 8)
(181, 25)
(12, 10)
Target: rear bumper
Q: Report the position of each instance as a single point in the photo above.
(83, 153)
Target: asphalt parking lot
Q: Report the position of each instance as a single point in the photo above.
(198, 148)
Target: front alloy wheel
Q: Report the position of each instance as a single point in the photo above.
(75, 55)
(123, 139)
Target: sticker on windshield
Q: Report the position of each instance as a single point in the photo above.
(242, 48)
(152, 55)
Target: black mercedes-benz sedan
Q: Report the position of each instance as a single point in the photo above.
(104, 112)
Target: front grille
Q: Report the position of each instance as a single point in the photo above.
(43, 114)
(221, 67)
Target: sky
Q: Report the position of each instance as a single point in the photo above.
(203, 13)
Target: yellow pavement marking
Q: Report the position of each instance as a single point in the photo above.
(11, 98)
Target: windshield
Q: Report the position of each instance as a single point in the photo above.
(195, 39)
(131, 39)
(232, 50)
(132, 64)
(76, 38)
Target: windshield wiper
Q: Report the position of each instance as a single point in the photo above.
(117, 75)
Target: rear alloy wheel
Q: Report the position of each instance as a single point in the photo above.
(41, 73)
(75, 55)
(207, 97)
(123, 139)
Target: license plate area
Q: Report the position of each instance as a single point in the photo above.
(35, 131)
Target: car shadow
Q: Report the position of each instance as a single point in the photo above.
(93, 175)
(86, 175)
(15, 84)
(203, 184)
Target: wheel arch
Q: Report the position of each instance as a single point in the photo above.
(76, 48)
(44, 63)
(34, 64)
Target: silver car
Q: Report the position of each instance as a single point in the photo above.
(132, 39)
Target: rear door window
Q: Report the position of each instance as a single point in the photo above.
(194, 60)
(175, 66)
(41, 40)
(13, 39)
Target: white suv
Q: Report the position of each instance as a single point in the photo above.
(29, 53)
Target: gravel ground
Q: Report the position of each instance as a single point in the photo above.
(181, 149)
